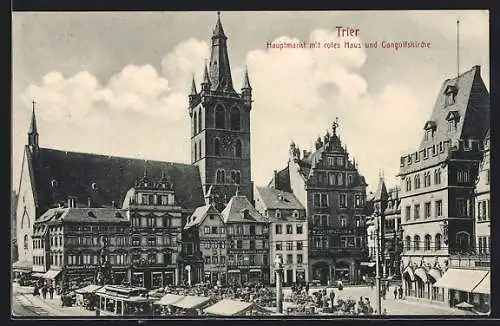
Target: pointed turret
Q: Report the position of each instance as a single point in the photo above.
(220, 71)
(33, 132)
(192, 95)
(246, 81)
(205, 84)
(193, 88)
(381, 194)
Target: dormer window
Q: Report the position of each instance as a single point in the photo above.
(278, 213)
(450, 94)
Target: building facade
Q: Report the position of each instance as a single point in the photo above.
(482, 225)
(205, 246)
(220, 127)
(67, 243)
(156, 220)
(288, 232)
(437, 182)
(328, 185)
(247, 242)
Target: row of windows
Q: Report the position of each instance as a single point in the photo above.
(38, 260)
(248, 260)
(215, 229)
(155, 199)
(96, 241)
(334, 179)
(299, 245)
(95, 228)
(220, 119)
(438, 210)
(335, 161)
(56, 259)
(37, 243)
(427, 180)
(214, 260)
(215, 244)
(153, 258)
(426, 151)
(483, 244)
(483, 210)
(289, 259)
(220, 176)
(321, 200)
(337, 242)
(156, 221)
(428, 244)
(324, 221)
(247, 229)
(153, 241)
(249, 244)
(289, 229)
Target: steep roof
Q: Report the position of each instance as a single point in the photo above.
(84, 215)
(200, 214)
(381, 193)
(277, 199)
(235, 212)
(59, 174)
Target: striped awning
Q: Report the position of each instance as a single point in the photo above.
(461, 279)
(422, 274)
(51, 274)
(484, 286)
(408, 271)
(435, 274)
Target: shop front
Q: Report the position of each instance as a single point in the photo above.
(76, 276)
(464, 285)
(255, 275)
(233, 277)
(22, 271)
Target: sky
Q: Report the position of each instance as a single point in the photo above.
(117, 83)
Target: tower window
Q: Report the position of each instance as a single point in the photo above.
(195, 123)
(217, 147)
(220, 176)
(235, 119)
(200, 120)
(236, 176)
(220, 118)
(237, 148)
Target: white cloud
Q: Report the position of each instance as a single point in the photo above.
(301, 91)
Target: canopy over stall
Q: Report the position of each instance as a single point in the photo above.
(169, 299)
(191, 302)
(461, 279)
(228, 307)
(92, 288)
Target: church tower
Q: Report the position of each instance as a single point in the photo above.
(33, 133)
(220, 126)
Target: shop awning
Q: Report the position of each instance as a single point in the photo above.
(88, 289)
(255, 270)
(461, 279)
(169, 299)
(484, 286)
(435, 274)
(368, 263)
(422, 274)
(233, 271)
(229, 307)
(191, 302)
(51, 274)
(408, 271)
(22, 266)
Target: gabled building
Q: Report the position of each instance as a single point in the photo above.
(156, 220)
(248, 242)
(204, 246)
(67, 243)
(288, 232)
(437, 186)
(327, 183)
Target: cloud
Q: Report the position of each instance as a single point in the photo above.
(301, 91)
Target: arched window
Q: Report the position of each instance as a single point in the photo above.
(235, 119)
(200, 122)
(26, 241)
(408, 243)
(416, 242)
(220, 117)
(417, 181)
(199, 149)
(437, 176)
(462, 241)
(438, 242)
(408, 184)
(237, 148)
(195, 124)
(427, 242)
(236, 176)
(217, 147)
(220, 176)
(340, 179)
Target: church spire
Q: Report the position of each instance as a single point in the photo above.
(220, 71)
(33, 132)
(193, 88)
(246, 81)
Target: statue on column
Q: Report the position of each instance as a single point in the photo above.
(104, 268)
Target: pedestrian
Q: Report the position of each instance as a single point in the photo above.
(44, 291)
(384, 312)
(36, 290)
(51, 292)
(400, 292)
(395, 293)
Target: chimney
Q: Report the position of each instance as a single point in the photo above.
(71, 202)
(275, 179)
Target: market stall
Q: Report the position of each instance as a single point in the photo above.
(86, 296)
(192, 304)
(228, 307)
